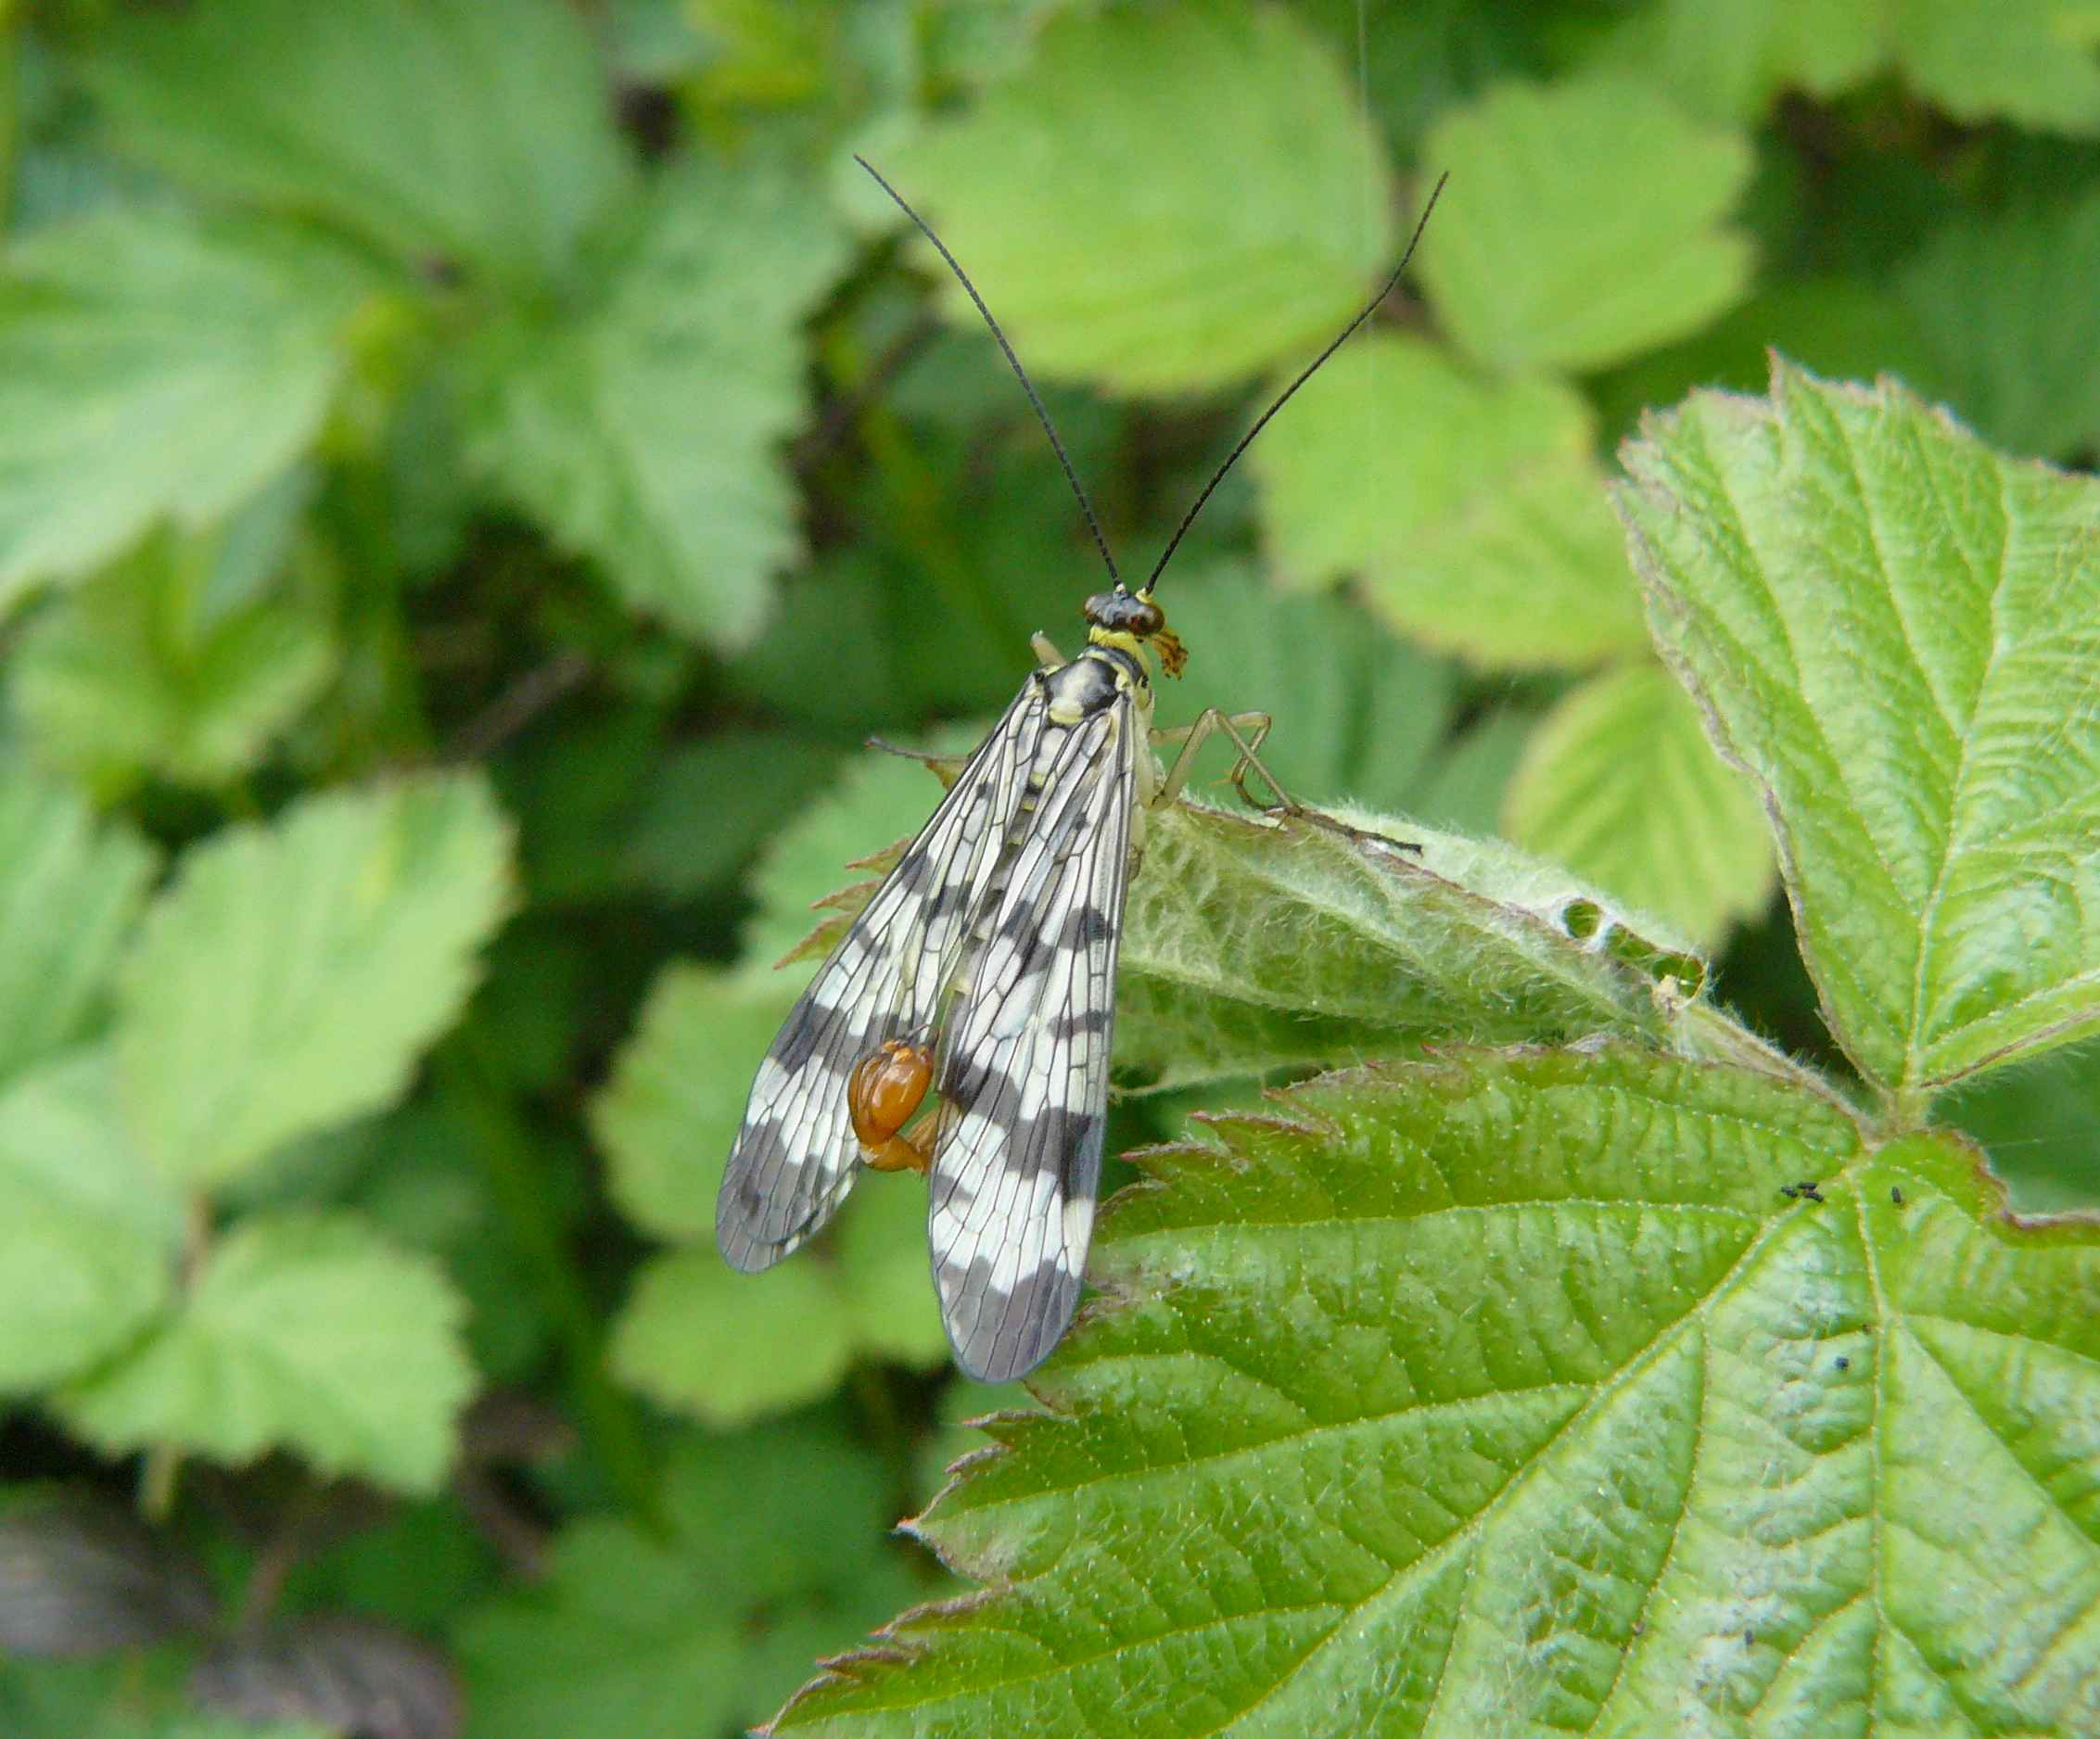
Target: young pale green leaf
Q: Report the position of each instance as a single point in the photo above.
(1474, 510)
(725, 1348)
(1729, 60)
(667, 1122)
(1894, 630)
(2007, 309)
(1107, 204)
(1515, 1392)
(440, 130)
(775, 1552)
(642, 433)
(1621, 784)
(1250, 945)
(153, 366)
(69, 890)
(293, 974)
(88, 1234)
(135, 671)
(2030, 61)
(1544, 260)
(309, 1334)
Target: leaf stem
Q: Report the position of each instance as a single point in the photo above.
(161, 1474)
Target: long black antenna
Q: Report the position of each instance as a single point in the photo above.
(1283, 398)
(1020, 373)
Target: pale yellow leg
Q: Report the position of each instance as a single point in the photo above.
(1193, 737)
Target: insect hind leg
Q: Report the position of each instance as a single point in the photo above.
(1211, 722)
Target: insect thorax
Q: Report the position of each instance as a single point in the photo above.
(1091, 682)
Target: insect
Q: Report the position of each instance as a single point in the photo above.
(983, 973)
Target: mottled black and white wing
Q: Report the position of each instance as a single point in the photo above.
(795, 1155)
(1023, 1068)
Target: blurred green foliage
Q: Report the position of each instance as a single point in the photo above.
(472, 476)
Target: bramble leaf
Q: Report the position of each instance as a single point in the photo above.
(1729, 60)
(1620, 784)
(1159, 253)
(306, 1333)
(70, 889)
(444, 130)
(88, 1234)
(1893, 628)
(139, 670)
(1513, 1391)
(1544, 262)
(291, 976)
(151, 366)
(644, 430)
(2030, 61)
(1474, 510)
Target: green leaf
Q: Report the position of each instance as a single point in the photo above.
(1620, 784)
(645, 433)
(1107, 204)
(1356, 711)
(1474, 510)
(1882, 619)
(775, 1552)
(69, 890)
(88, 1234)
(2029, 61)
(1730, 60)
(136, 671)
(437, 129)
(153, 366)
(1250, 947)
(303, 1333)
(701, 1339)
(293, 974)
(667, 1122)
(2007, 309)
(1542, 259)
(1510, 1393)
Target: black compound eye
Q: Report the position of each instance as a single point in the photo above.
(1146, 618)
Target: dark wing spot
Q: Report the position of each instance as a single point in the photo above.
(799, 1038)
(914, 872)
(1089, 1022)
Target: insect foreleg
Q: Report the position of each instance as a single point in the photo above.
(1046, 654)
(1193, 738)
